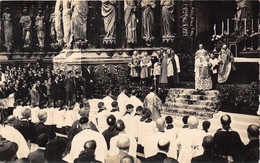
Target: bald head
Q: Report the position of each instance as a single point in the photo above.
(91, 144)
(225, 120)
(224, 47)
(200, 46)
(163, 144)
(208, 143)
(123, 143)
(26, 113)
(193, 122)
(253, 131)
(160, 123)
(42, 115)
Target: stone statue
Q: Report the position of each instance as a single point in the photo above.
(147, 20)
(130, 21)
(66, 19)
(79, 19)
(108, 11)
(52, 29)
(26, 23)
(58, 21)
(167, 18)
(8, 29)
(40, 28)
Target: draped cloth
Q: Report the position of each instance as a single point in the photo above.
(79, 19)
(147, 19)
(167, 17)
(8, 30)
(40, 27)
(66, 19)
(130, 21)
(225, 58)
(163, 77)
(58, 20)
(108, 11)
(26, 24)
(202, 71)
(153, 103)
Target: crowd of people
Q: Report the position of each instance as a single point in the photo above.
(121, 130)
(46, 117)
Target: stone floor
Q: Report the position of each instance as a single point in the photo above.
(239, 123)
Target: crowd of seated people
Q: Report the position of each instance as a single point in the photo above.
(111, 131)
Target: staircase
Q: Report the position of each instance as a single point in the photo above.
(181, 102)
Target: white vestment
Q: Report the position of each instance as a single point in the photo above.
(113, 145)
(122, 97)
(102, 120)
(108, 101)
(77, 144)
(191, 144)
(134, 101)
(13, 135)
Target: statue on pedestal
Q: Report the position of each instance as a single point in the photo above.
(130, 21)
(58, 21)
(147, 20)
(79, 20)
(40, 28)
(52, 29)
(167, 20)
(26, 23)
(8, 29)
(108, 11)
(66, 19)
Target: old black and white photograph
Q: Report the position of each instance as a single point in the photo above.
(129, 81)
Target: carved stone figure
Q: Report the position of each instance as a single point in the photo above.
(52, 29)
(167, 17)
(40, 28)
(108, 11)
(58, 21)
(26, 23)
(130, 21)
(66, 19)
(147, 19)
(79, 19)
(8, 29)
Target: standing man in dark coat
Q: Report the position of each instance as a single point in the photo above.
(56, 90)
(251, 150)
(69, 85)
(228, 141)
(89, 83)
(208, 155)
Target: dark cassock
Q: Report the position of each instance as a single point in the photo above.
(108, 11)
(163, 77)
(80, 11)
(167, 17)
(130, 21)
(147, 19)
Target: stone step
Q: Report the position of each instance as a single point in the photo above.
(185, 91)
(194, 107)
(192, 102)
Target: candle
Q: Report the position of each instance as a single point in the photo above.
(245, 25)
(228, 26)
(252, 25)
(258, 26)
(222, 27)
(215, 32)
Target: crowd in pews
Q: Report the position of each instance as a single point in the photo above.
(115, 129)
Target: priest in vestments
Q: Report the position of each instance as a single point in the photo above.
(202, 70)
(154, 104)
(225, 62)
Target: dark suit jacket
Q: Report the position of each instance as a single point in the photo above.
(251, 151)
(25, 128)
(160, 158)
(37, 156)
(208, 157)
